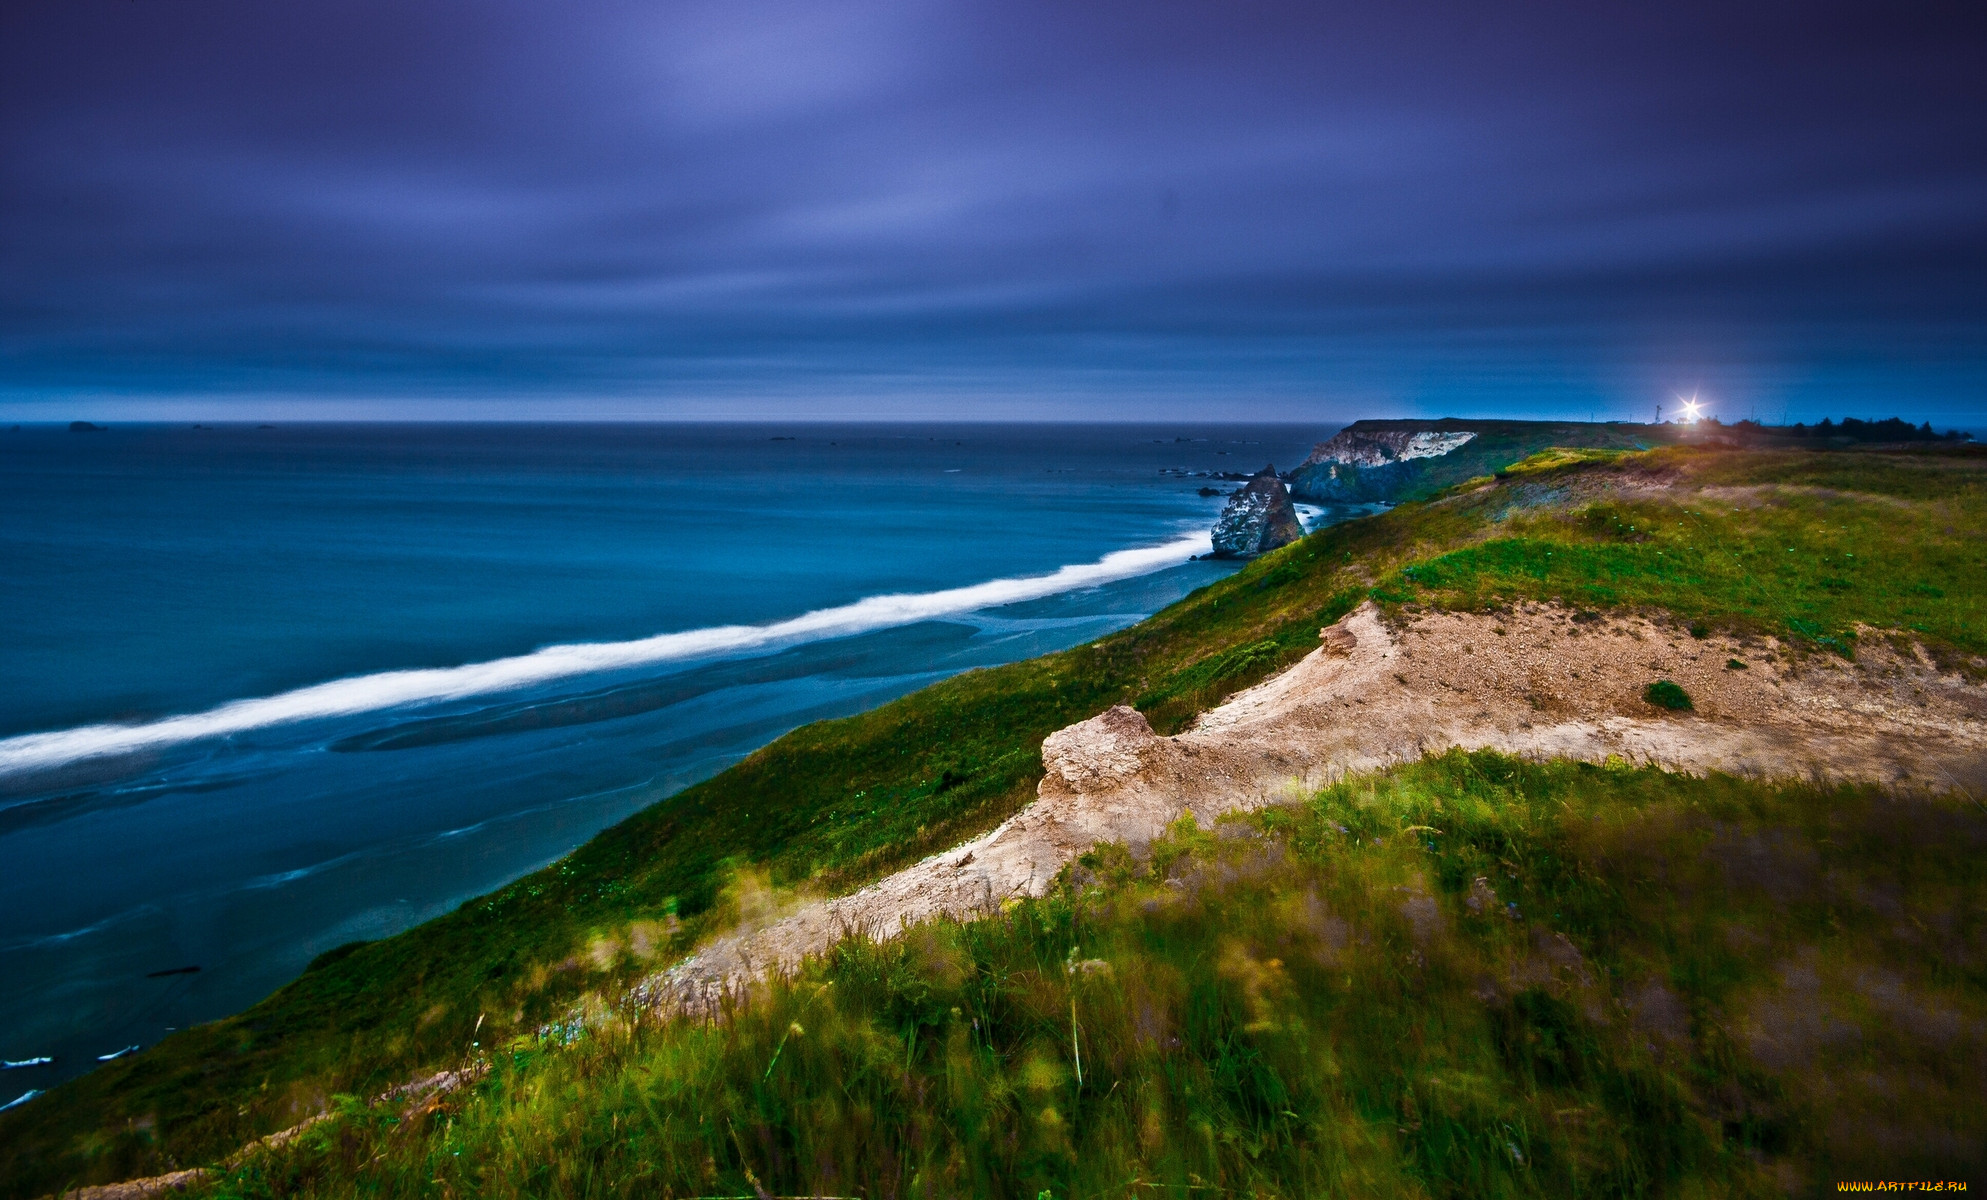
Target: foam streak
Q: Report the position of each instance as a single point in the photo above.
(392, 689)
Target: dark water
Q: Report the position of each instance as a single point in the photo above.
(265, 691)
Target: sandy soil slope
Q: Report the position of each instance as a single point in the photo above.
(1538, 681)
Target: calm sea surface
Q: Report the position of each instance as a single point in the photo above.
(267, 690)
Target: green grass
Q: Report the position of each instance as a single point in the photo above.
(1467, 977)
(1813, 546)
(1562, 456)
(1803, 547)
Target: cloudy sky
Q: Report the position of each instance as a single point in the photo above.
(595, 208)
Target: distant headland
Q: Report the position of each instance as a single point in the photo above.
(1390, 461)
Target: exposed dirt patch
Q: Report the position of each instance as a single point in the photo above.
(140, 1189)
(1538, 681)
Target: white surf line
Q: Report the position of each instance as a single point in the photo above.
(391, 689)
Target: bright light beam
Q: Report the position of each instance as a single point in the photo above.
(1691, 409)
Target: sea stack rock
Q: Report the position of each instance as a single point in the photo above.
(1258, 518)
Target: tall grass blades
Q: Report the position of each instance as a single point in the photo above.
(1469, 977)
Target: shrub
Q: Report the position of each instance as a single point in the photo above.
(1664, 694)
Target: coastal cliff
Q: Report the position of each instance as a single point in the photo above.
(1259, 518)
(1397, 460)
(1389, 461)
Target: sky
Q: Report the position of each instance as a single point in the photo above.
(1012, 209)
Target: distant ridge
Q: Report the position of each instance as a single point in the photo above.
(1388, 461)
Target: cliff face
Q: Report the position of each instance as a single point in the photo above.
(1373, 448)
(1259, 518)
(1387, 461)
(1362, 464)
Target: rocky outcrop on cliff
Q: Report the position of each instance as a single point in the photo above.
(1259, 518)
(1361, 464)
(1363, 448)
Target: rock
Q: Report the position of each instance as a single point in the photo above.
(1259, 518)
(86, 427)
(1097, 754)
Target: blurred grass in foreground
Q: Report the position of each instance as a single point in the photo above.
(1471, 976)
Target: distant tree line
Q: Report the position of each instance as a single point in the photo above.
(1891, 429)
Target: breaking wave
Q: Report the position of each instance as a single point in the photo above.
(392, 689)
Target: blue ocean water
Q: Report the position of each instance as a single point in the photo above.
(267, 690)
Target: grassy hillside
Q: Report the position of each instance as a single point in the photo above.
(1801, 546)
(1768, 548)
(1468, 977)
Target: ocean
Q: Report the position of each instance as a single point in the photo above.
(267, 690)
